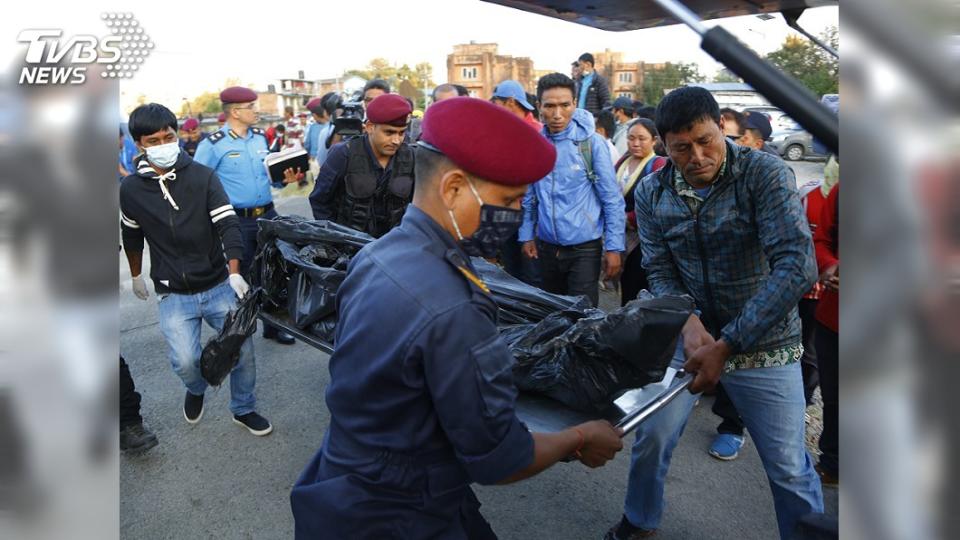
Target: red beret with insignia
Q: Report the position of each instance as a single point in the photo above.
(237, 94)
(390, 109)
(487, 141)
(190, 123)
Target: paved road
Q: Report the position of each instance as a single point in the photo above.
(215, 480)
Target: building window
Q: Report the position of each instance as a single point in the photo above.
(626, 77)
(468, 73)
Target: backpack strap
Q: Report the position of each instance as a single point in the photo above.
(586, 151)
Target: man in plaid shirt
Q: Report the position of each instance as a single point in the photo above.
(725, 225)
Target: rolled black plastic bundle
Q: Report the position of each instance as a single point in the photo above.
(583, 359)
(222, 352)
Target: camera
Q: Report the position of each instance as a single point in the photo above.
(347, 119)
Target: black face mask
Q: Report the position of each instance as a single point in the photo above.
(497, 225)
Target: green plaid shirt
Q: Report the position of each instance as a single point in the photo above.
(774, 358)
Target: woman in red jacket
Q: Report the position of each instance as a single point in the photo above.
(827, 241)
(639, 161)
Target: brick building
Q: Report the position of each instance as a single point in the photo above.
(625, 77)
(479, 68)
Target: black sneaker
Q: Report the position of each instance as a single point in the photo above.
(627, 531)
(254, 423)
(136, 439)
(192, 408)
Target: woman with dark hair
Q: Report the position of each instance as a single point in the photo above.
(639, 161)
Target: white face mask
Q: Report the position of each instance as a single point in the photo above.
(163, 155)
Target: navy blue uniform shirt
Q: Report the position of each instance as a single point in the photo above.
(421, 395)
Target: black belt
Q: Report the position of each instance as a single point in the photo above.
(254, 212)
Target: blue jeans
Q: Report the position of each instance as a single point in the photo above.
(180, 318)
(771, 404)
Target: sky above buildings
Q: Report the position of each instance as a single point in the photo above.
(199, 45)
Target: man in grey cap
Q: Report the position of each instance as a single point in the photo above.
(623, 114)
(511, 95)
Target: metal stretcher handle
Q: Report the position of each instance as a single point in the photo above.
(631, 422)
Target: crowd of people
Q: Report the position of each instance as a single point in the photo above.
(568, 191)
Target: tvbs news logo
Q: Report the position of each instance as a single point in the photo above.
(53, 58)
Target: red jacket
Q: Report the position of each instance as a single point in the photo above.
(827, 241)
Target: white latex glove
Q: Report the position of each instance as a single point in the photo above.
(140, 288)
(239, 285)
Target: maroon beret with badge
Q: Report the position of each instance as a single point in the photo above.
(190, 123)
(487, 141)
(390, 109)
(237, 94)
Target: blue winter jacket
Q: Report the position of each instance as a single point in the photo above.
(565, 208)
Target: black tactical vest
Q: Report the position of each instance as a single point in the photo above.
(363, 204)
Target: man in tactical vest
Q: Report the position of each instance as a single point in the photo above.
(367, 182)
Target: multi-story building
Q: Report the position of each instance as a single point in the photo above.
(625, 77)
(479, 68)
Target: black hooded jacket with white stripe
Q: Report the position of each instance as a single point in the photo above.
(186, 217)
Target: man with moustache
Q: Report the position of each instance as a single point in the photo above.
(367, 182)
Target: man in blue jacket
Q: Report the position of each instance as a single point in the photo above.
(576, 211)
(724, 224)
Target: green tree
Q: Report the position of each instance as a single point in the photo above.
(812, 66)
(420, 76)
(659, 80)
(726, 76)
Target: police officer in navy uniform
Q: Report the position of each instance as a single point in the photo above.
(421, 393)
(367, 182)
(236, 153)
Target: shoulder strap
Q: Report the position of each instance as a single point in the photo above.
(586, 151)
(215, 137)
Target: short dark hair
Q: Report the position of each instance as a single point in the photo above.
(647, 112)
(379, 84)
(150, 118)
(461, 90)
(428, 164)
(736, 115)
(647, 123)
(532, 99)
(681, 108)
(280, 127)
(329, 102)
(605, 120)
(587, 57)
(555, 80)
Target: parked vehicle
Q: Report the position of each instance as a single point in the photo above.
(794, 145)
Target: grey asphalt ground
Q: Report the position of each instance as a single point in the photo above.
(215, 480)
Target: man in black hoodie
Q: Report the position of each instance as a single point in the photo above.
(181, 209)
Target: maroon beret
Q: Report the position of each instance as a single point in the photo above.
(487, 141)
(222, 117)
(237, 94)
(391, 109)
(190, 123)
(315, 105)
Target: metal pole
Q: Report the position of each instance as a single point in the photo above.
(630, 423)
(683, 14)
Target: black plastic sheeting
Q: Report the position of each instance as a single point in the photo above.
(222, 352)
(521, 303)
(584, 358)
(301, 264)
(578, 355)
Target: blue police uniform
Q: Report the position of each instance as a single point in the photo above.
(421, 397)
(238, 161)
(315, 140)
